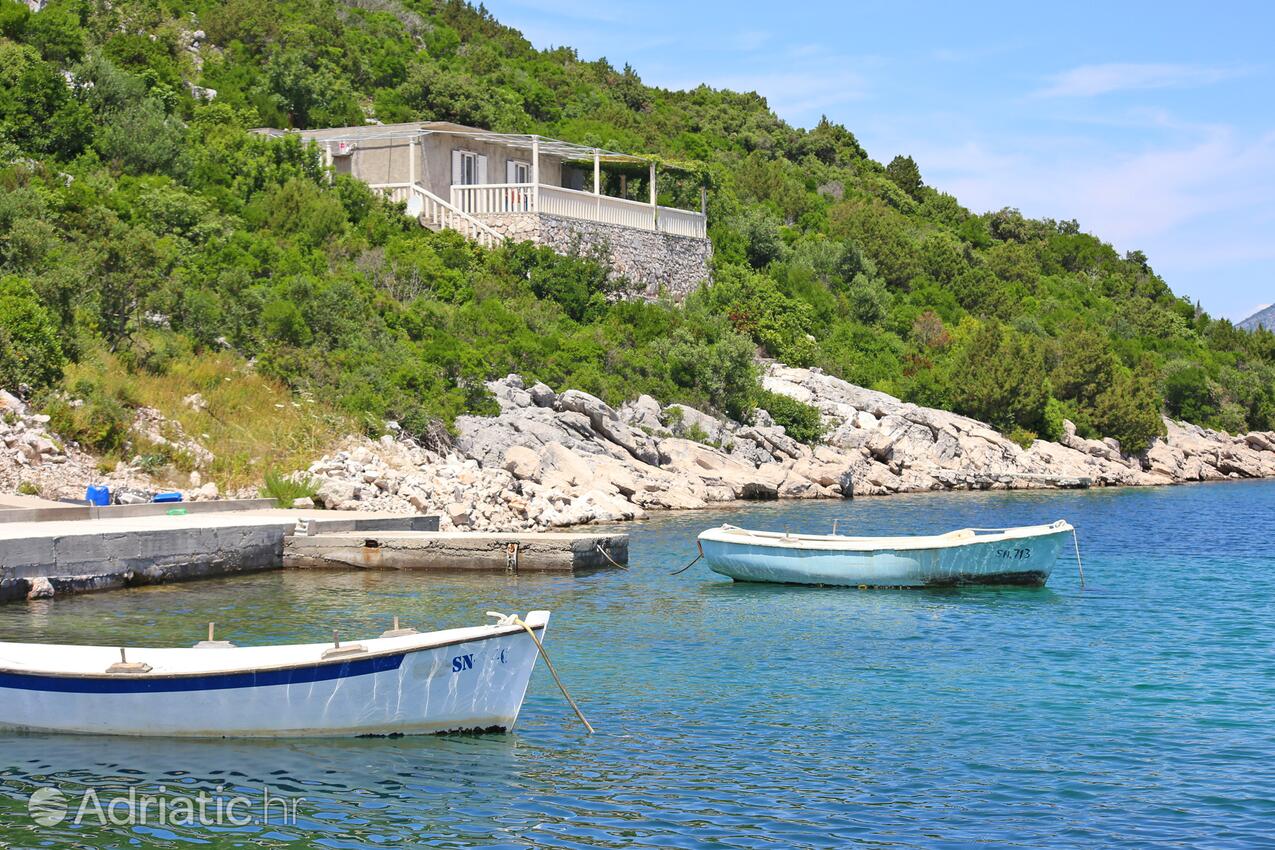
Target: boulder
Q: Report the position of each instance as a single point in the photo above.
(846, 483)
(1261, 441)
(459, 513)
(563, 468)
(1161, 459)
(717, 469)
(604, 422)
(821, 471)
(334, 493)
(643, 413)
(206, 493)
(10, 403)
(522, 462)
(795, 486)
(510, 393)
(778, 382)
(542, 395)
(685, 420)
(41, 588)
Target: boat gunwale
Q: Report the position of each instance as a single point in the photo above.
(152, 676)
(957, 538)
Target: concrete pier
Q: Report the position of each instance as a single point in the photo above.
(457, 551)
(64, 551)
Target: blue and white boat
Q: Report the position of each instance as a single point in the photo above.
(1023, 555)
(470, 679)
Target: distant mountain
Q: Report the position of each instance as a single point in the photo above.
(1264, 318)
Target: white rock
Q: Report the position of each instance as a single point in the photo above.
(41, 588)
(459, 513)
(10, 402)
(522, 462)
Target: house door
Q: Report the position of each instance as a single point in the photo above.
(468, 168)
(518, 173)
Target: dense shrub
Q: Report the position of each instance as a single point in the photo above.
(97, 420)
(30, 354)
(1000, 378)
(801, 421)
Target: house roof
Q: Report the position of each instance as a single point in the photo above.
(521, 141)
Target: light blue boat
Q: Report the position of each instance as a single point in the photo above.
(1023, 556)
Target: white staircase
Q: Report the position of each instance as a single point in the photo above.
(436, 214)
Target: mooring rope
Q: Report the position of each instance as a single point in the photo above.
(608, 557)
(514, 619)
(1076, 540)
(700, 546)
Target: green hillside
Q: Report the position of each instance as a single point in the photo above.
(141, 224)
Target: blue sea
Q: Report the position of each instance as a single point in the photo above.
(1138, 711)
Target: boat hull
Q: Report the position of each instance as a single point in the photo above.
(1017, 561)
(467, 685)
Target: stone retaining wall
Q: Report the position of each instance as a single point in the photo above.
(653, 262)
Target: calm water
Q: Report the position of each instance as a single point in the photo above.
(1137, 712)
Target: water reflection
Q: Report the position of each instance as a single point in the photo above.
(1134, 713)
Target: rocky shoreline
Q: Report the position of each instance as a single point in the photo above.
(551, 459)
(559, 459)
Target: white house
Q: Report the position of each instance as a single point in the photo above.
(495, 186)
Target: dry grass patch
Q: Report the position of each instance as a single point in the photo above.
(250, 424)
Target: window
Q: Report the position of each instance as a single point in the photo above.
(518, 171)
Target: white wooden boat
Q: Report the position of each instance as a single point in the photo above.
(471, 679)
(1023, 555)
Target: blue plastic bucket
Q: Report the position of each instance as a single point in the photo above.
(98, 494)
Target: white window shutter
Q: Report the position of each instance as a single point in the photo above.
(511, 171)
(457, 177)
(482, 169)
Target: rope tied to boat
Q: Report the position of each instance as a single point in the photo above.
(699, 545)
(515, 620)
(1075, 539)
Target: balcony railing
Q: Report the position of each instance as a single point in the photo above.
(502, 198)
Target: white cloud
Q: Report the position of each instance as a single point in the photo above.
(1122, 197)
(1093, 80)
(795, 95)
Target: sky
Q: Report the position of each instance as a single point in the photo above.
(1152, 124)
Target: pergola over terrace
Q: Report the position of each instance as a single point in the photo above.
(448, 166)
